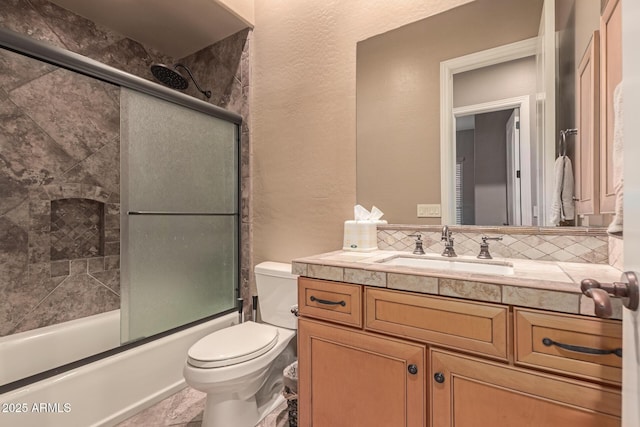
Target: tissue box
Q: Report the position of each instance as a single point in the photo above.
(360, 236)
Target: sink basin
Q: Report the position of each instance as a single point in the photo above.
(452, 264)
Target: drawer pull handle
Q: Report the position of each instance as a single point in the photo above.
(439, 377)
(597, 351)
(327, 302)
(413, 369)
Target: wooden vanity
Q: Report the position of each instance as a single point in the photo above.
(374, 356)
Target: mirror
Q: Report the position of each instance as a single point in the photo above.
(399, 94)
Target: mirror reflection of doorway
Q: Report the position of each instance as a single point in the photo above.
(488, 173)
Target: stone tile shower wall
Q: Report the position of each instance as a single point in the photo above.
(52, 171)
(60, 186)
(524, 243)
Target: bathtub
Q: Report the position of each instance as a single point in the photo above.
(101, 393)
(62, 343)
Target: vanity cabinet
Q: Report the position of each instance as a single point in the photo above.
(415, 359)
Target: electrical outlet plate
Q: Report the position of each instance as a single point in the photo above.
(428, 211)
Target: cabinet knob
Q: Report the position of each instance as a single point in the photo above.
(413, 369)
(439, 377)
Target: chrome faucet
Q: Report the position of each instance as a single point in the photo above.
(418, 249)
(448, 242)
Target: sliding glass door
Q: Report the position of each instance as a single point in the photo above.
(179, 215)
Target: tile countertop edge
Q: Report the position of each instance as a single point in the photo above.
(559, 296)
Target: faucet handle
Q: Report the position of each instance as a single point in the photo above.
(418, 249)
(484, 247)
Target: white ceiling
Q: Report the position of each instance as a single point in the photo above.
(176, 28)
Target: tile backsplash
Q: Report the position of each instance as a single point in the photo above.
(567, 245)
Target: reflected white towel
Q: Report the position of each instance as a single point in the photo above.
(562, 206)
(618, 162)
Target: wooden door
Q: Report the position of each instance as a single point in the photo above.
(351, 378)
(588, 140)
(610, 77)
(470, 392)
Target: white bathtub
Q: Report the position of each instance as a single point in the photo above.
(60, 344)
(102, 393)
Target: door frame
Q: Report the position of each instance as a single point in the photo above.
(485, 58)
(522, 103)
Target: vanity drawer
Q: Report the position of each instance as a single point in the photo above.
(332, 301)
(542, 341)
(475, 327)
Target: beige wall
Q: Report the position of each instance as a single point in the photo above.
(304, 116)
(398, 87)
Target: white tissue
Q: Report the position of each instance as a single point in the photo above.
(362, 214)
(376, 214)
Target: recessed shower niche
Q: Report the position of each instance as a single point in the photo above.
(77, 229)
(71, 257)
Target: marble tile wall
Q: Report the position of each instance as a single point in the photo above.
(571, 246)
(59, 139)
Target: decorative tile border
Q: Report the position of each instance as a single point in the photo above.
(546, 299)
(578, 244)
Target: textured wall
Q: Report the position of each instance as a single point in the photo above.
(76, 155)
(304, 116)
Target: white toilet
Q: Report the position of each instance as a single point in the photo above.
(232, 364)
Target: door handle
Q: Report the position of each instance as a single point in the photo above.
(626, 289)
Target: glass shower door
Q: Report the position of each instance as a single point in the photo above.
(179, 214)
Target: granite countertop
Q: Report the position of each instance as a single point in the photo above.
(536, 284)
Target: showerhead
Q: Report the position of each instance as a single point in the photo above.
(173, 78)
(169, 77)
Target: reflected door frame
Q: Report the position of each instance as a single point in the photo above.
(521, 103)
(509, 52)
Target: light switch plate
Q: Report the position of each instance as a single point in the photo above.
(429, 211)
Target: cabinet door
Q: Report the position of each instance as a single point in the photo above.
(471, 392)
(610, 76)
(351, 378)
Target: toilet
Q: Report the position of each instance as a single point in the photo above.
(233, 364)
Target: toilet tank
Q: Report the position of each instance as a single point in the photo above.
(277, 293)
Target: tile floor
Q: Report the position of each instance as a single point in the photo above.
(185, 408)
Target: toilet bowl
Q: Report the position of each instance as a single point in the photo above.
(231, 365)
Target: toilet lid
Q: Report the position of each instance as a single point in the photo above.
(233, 345)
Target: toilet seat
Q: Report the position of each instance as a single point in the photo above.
(232, 345)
